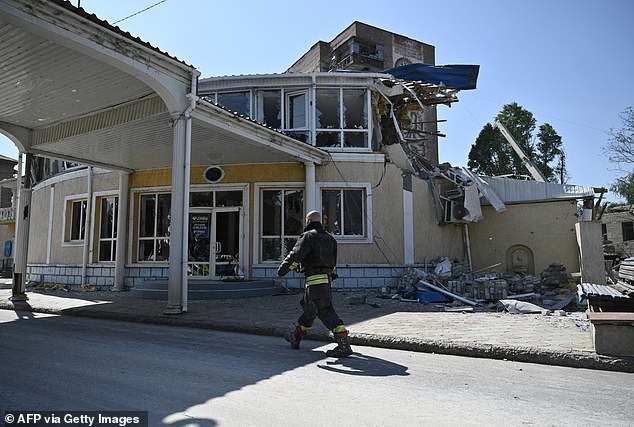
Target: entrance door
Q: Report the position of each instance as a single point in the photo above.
(226, 250)
(214, 243)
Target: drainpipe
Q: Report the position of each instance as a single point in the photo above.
(311, 202)
(87, 227)
(193, 99)
(467, 240)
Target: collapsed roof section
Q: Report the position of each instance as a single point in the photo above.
(457, 193)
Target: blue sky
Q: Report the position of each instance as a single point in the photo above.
(568, 62)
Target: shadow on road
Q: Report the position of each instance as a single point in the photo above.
(363, 365)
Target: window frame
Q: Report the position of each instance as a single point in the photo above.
(67, 226)
(113, 238)
(627, 230)
(154, 237)
(367, 191)
(282, 237)
(249, 92)
(342, 130)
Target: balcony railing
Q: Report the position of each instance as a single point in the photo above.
(7, 214)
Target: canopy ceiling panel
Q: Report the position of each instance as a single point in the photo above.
(43, 82)
(75, 88)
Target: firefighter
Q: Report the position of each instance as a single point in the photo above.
(316, 250)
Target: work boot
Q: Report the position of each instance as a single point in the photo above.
(343, 348)
(294, 337)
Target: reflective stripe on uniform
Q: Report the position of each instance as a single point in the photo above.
(317, 279)
(339, 329)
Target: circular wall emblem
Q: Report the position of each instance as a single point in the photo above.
(213, 174)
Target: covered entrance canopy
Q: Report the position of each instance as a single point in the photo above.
(76, 88)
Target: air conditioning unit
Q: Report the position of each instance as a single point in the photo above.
(454, 211)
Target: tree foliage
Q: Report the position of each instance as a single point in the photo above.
(620, 151)
(492, 155)
(624, 187)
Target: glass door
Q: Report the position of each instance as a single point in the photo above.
(214, 247)
(199, 245)
(226, 247)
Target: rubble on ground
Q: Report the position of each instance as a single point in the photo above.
(553, 289)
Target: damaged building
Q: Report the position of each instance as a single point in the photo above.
(198, 182)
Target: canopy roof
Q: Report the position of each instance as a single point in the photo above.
(461, 77)
(76, 88)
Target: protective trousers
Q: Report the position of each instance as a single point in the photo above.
(317, 302)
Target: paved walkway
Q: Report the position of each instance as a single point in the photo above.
(564, 340)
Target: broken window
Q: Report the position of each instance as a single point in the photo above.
(343, 211)
(342, 118)
(269, 107)
(239, 102)
(297, 115)
(154, 227)
(628, 230)
(108, 228)
(282, 222)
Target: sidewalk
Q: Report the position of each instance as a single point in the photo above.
(372, 321)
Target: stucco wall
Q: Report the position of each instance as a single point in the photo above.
(547, 229)
(62, 252)
(387, 218)
(430, 239)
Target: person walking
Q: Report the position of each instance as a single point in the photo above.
(315, 252)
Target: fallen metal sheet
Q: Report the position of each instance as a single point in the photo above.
(443, 291)
(520, 307)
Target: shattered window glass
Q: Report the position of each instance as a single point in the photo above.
(282, 222)
(328, 139)
(355, 139)
(270, 108)
(355, 109)
(239, 102)
(343, 211)
(327, 109)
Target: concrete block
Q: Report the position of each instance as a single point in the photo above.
(377, 282)
(370, 272)
(613, 333)
(349, 282)
(385, 272)
(343, 272)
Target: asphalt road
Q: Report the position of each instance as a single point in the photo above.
(194, 377)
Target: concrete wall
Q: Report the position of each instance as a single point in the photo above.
(42, 223)
(546, 229)
(430, 239)
(613, 222)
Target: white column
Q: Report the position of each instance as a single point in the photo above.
(408, 220)
(49, 237)
(122, 232)
(22, 219)
(311, 191)
(175, 280)
(87, 228)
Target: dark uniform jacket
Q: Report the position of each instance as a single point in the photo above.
(315, 249)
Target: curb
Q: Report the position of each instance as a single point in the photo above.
(572, 359)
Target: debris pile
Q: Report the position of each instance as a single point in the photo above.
(552, 289)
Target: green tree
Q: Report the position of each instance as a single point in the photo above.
(620, 151)
(624, 187)
(492, 155)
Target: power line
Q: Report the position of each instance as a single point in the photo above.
(139, 12)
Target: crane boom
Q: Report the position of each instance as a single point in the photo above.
(534, 171)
